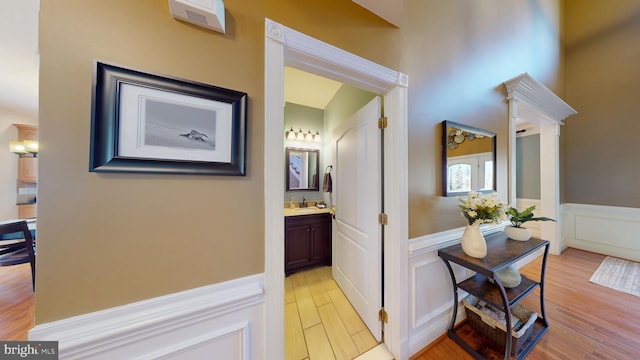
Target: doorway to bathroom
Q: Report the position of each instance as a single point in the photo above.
(284, 46)
(333, 311)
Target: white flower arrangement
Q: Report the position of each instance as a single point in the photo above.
(482, 209)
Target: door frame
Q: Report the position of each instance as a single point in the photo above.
(285, 46)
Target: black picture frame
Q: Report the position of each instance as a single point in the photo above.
(149, 123)
(464, 134)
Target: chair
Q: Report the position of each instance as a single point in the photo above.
(17, 247)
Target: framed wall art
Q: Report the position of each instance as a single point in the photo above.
(147, 123)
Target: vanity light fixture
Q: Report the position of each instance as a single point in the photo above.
(291, 135)
(24, 148)
(302, 136)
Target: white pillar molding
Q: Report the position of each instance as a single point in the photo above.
(534, 105)
(511, 156)
(550, 184)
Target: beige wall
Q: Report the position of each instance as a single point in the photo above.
(599, 145)
(458, 54)
(111, 239)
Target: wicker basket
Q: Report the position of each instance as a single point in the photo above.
(494, 329)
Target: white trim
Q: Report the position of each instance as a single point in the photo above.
(531, 102)
(397, 231)
(142, 328)
(436, 327)
(529, 91)
(285, 46)
(608, 230)
(239, 330)
(417, 320)
(274, 189)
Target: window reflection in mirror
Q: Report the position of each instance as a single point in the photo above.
(302, 167)
(468, 159)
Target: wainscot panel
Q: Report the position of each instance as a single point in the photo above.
(430, 292)
(223, 320)
(606, 230)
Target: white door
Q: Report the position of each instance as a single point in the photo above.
(357, 188)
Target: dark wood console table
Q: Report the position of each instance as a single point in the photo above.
(501, 252)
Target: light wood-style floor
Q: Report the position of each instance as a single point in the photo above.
(586, 321)
(17, 302)
(320, 323)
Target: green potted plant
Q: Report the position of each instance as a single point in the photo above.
(515, 231)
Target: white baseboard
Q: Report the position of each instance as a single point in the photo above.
(437, 326)
(224, 319)
(607, 230)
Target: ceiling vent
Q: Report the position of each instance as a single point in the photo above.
(206, 13)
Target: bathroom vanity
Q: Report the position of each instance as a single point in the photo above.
(307, 238)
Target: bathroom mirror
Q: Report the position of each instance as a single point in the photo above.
(468, 159)
(302, 169)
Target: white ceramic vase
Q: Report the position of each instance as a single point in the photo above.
(517, 233)
(509, 276)
(473, 243)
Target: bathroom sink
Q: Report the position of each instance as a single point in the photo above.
(305, 210)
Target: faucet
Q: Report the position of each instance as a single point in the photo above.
(304, 202)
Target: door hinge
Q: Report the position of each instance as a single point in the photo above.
(383, 219)
(382, 123)
(382, 316)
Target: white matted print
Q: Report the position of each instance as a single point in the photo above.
(157, 124)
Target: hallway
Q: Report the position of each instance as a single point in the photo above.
(320, 323)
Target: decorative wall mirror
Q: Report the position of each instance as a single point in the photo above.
(468, 159)
(302, 166)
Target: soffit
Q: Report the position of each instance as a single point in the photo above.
(307, 89)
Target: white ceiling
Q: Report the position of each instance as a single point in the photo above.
(308, 89)
(19, 55)
(19, 58)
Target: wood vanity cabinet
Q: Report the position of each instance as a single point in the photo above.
(307, 241)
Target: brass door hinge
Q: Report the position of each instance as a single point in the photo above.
(383, 316)
(382, 123)
(383, 219)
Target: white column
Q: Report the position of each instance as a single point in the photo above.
(511, 158)
(550, 184)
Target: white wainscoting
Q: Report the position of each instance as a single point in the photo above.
(430, 287)
(221, 321)
(608, 230)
